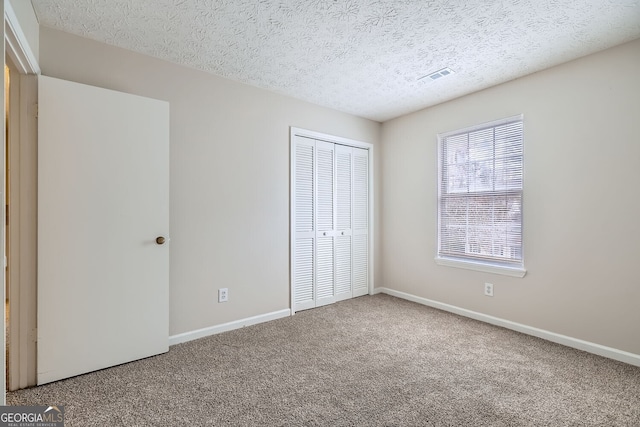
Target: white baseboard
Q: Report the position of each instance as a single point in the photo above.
(236, 324)
(600, 350)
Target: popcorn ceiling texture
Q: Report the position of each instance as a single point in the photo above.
(358, 56)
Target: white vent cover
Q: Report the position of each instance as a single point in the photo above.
(437, 74)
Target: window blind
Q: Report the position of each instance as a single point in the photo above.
(480, 193)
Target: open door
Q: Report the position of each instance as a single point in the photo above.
(103, 223)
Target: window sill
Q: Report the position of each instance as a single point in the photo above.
(481, 266)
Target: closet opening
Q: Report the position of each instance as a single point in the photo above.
(331, 213)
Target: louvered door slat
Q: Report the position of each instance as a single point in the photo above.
(324, 277)
(304, 261)
(343, 267)
(304, 188)
(325, 186)
(360, 265)
(360, 190)
(343, 188)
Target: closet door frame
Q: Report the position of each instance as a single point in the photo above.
(298, 132)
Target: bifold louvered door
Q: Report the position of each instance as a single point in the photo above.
(303, 194)
(360, 252)
(344, 194)
(325, 220)
(330, 217)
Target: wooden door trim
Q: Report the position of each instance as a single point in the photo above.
(23, 137)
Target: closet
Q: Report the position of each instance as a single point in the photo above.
(329, 219)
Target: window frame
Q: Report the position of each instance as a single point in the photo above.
(483, 264)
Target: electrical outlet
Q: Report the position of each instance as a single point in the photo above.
(223, 294)
(488, 289)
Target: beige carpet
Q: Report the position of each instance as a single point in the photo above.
(370, 361)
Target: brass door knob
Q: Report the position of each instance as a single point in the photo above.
(160, 240)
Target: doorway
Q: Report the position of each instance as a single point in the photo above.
(20, 226)
(331, 209)
(20, 165)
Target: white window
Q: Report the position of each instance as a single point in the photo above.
(480, 171)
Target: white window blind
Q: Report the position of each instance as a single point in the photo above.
(480, 193)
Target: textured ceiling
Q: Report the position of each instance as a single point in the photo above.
(363, 57)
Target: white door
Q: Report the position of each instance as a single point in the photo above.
(103, 199)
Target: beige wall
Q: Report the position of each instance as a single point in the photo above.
(230, 195)
(229, 175)
(581, 201)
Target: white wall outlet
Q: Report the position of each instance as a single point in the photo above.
(223, 294)
(488, 289)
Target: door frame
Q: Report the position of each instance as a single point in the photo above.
(294, 131)
(21, 231)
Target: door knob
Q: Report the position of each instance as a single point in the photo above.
(160, 240)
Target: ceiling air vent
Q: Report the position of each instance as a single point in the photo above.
(437, 74)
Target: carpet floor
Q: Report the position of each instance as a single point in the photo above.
(369, 361)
